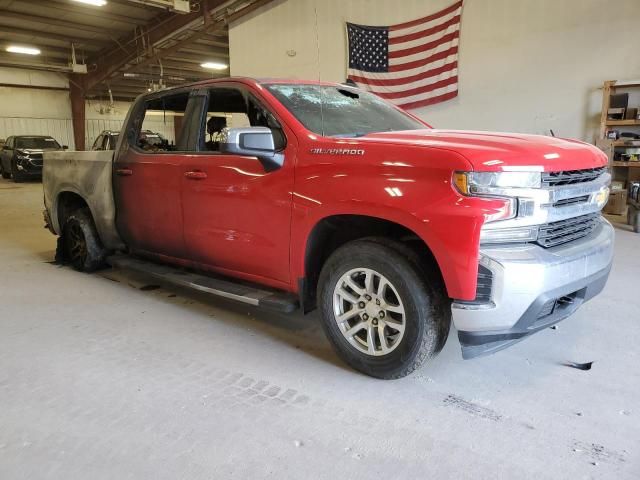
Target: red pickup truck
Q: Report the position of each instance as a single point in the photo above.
(294, 194)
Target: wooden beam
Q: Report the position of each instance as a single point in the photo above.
(78, 114)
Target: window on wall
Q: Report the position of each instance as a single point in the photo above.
(163, 123)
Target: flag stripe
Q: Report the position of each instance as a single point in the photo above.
(422, 55)
(429, 101)
(395, 41)
(429, 18)
(402, 81)
(449, 37)
(425, 96)
(418, 90)
(425, 61)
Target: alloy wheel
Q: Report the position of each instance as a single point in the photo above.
(369, 311)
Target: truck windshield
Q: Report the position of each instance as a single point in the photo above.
(338, 111)
(37, 143)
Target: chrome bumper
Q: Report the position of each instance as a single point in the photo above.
(526, 281)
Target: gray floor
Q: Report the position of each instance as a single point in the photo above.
(102, 380)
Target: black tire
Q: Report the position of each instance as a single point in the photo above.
(5, 175)
(427, 319)
(81, 245)
(17, 176)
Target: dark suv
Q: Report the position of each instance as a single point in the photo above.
(21, 156)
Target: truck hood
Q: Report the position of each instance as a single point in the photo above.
(489, 151)
(35, 151)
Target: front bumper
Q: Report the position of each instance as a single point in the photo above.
(30, 168)
(532, 288)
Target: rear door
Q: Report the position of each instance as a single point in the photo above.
(148, 178)
(237, 213)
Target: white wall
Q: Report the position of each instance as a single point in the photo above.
(32, 111)
(525, 65)
(26, 111)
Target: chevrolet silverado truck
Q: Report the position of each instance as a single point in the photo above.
(317, 195)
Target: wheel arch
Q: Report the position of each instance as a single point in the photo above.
(68, 201)
(333, 231)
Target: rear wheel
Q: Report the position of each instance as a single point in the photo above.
(380, 313)
(81, 244)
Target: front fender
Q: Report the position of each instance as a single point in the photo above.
(415, 193)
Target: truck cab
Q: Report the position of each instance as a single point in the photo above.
(294, 194)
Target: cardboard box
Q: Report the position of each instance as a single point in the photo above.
(617, 185)
(617, 204)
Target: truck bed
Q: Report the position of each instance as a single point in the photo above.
(87, 174)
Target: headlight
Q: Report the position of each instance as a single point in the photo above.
(494, 183)
(22, 157)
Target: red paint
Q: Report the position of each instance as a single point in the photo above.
(225, 213)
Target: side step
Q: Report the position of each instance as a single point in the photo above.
(261, 297)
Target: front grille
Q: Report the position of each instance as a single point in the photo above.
(36, 162)
(569, 177)
(571, 201)
(563, 231)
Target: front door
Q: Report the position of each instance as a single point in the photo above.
(237, 213)
(148, 177)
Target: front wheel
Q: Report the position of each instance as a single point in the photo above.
(81, 244)
(380, 312)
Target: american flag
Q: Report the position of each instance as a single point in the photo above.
(412, 64)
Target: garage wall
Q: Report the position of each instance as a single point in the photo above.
(525, 65)
(30, 111)
(25, 111)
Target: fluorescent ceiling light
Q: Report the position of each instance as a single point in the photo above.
(25, 50)
(97, 3)
(214, 65)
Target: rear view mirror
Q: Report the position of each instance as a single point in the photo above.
(253, 142)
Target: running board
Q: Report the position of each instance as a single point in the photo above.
(270, 299)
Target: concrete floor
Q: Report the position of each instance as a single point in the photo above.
(100, 379)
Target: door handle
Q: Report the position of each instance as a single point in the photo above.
(195, 175)
(124, 172)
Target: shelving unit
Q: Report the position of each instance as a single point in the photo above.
(623, 171)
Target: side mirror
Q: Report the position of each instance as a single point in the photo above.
(252, 142)
(65, 147)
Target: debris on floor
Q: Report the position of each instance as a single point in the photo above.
(579, 366)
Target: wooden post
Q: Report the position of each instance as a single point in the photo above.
(78, 115)
(606, 93)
